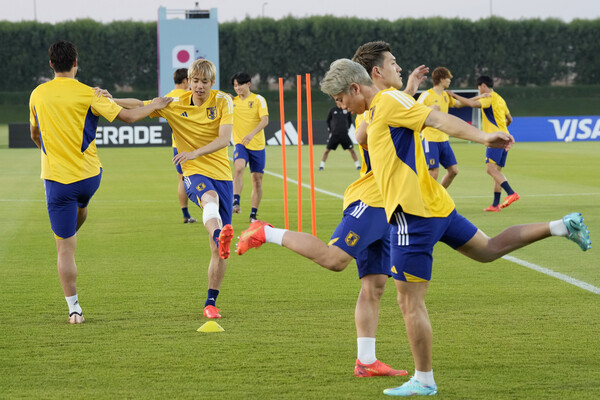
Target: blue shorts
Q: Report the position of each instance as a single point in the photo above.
(412, 239)
(197, 185)
(178, 166)
(256, 158)
(437, 153)
(364, 234)
(496, 156)
(63, 200)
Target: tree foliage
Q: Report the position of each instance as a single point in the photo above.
(124, 54)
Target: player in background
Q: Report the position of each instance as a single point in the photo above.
(435, 142)
(250, 117)
(63, 120)
(419, 209)
(361, 235)
(202, 121)
(495, 117)
(181, 87)
(338, 124)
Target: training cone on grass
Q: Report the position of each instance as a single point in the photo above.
(211, 326)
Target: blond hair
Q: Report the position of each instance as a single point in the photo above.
(343, 73)
(202, 68)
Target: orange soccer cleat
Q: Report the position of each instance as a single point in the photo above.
(211, 312)
(492, 208)
(509, 200)
(253, 237)
(376, 369)
(225, 241)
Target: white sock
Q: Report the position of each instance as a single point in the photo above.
(558, 228)
(357, 164)
(73, 303)
(322, 164)
(274, 235)
(426, 378)
(366, 350)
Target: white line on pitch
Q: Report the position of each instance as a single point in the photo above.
(305, 185)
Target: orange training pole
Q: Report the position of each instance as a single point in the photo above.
(310, 156)
(299, 122)
(283, 161)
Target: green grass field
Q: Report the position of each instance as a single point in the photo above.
(501, 331)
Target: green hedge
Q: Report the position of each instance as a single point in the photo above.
(525, 52)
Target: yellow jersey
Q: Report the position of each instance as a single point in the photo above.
(196, 126)
(398, 159)
(175, 93)
(66, 113)
(444, 101)
(364, 188)
(493, 113)
(247, 114)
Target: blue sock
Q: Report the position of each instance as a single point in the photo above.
(496, 198)
(211, 299)
(216, 234)
(185, 212)
(254, 211)
(236, 199)
(507, 188)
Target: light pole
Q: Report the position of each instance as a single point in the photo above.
(263, 8)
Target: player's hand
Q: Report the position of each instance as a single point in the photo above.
(499, 140)
(180, 158)
(161, 102)
(420, 73)
(246, 139)
(99, 92)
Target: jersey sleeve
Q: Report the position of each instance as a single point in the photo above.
(401, 110)
(105, 107)
(423, 97)
(156, 113)
(225, 105)
(451, 101)
(485, 102)
(262, 109)
(32, 116)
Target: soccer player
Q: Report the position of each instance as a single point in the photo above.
(362, 234)
(202, 121)
(495, 117)
(338, 124)
(250, 117)
(181, 87)
(435, 142)
(63, 120)
(419, 209)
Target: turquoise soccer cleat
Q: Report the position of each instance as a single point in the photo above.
(578, 232)
(412, 388)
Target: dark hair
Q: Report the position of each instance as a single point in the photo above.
(489, 82)
(62, 55)
(241, 78)
(179, 75)
(370, 55)
(440, 73)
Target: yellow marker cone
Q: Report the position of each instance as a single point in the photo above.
(211, 326)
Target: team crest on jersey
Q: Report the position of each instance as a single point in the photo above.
(431, 161)
(372, 113)
(200, 187)
(352, 239)
(250, 104)
(211, 112)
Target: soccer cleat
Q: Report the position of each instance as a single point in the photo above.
(376, 369)
(225, 241)
(211, 312)
(252, 218)
(76, 318)
(578, 232)
(492, 208)
(189, 220)
(510, 199)
(321, 168)
(252, 237)
(358, 168)
(237, 208)
(412, 388)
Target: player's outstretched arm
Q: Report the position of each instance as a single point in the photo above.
(135, 114)
(221, 141)
(458, 128)
(464, 101)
